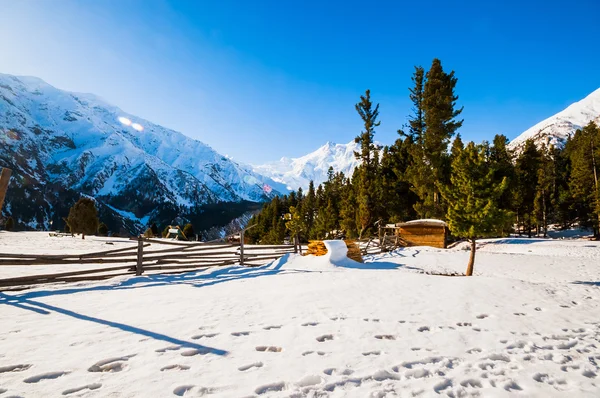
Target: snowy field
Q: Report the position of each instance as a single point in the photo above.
(527, 324)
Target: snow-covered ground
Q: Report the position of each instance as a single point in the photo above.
(527, 324)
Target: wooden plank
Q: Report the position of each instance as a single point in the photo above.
(62, 274)
(166, 242)
(107, 253)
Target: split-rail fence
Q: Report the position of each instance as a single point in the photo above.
(148, 256)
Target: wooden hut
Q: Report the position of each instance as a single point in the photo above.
(424, 233)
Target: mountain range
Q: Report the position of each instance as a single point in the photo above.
(61, 145)
(298, 172)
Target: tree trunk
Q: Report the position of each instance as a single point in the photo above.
(471, 258)
(82, 235)
(544, 216)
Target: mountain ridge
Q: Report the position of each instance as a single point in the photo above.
(555, 129)
(70, 144)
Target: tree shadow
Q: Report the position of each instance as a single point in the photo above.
(589, 283)
(47, 309)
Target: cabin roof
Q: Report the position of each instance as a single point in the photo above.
(426, 222)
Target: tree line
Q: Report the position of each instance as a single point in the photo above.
(428, 172)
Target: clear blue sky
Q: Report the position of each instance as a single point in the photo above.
(258, 80)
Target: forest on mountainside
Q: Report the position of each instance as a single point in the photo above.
(425, 171)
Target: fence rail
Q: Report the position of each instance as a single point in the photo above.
(138, 259)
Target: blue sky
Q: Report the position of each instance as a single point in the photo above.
(258, 80)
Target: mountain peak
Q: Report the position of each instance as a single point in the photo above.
(556, 129)
(298, 172)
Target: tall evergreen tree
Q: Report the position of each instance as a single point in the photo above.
(439, 121)
(473, 198)
(83, 217)
(526, 168)
(546, 184)
(368, 168)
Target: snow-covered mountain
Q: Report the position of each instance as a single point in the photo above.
(62, 144)
(557, 128)
(298, 172)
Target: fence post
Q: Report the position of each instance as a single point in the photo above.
(242, 247)
(139, 269)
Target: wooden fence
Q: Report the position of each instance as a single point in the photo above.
(147, 256)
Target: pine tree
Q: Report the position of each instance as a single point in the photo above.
(188, 231)
(154, 229)
(102, 229)
(526, 168)
(430, 167)
(294, 224)
(348, 211)
(546, 184)
(457, 147)
(309, 205)
(473, 198)
(83, 217)
(368, 168)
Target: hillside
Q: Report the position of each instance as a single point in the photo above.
(557, 128)
(62, 145)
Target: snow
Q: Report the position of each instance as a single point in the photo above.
(526, 324)
(427, 220)
(298, 172)
(555, 129)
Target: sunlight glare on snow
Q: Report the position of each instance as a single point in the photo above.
(124, 121)
(137, 127)
(250, 179)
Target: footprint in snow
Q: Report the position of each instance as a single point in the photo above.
(512, 386)
(183, 390)
(195, 351)
(175, 367)
(464, 324)
(369, 353)
(91, 387)
(423, 329)
(324, 338)
(310, 324)
(116, 364)
(44, 376)
(272, 327)
(264, 348)
(273, 387)
(320, 353)
(384, 337)
(171, 348)
(203, 336)
(238, 334)
(482, 316)
(252, 365)
(519, 313)
(14, 368)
